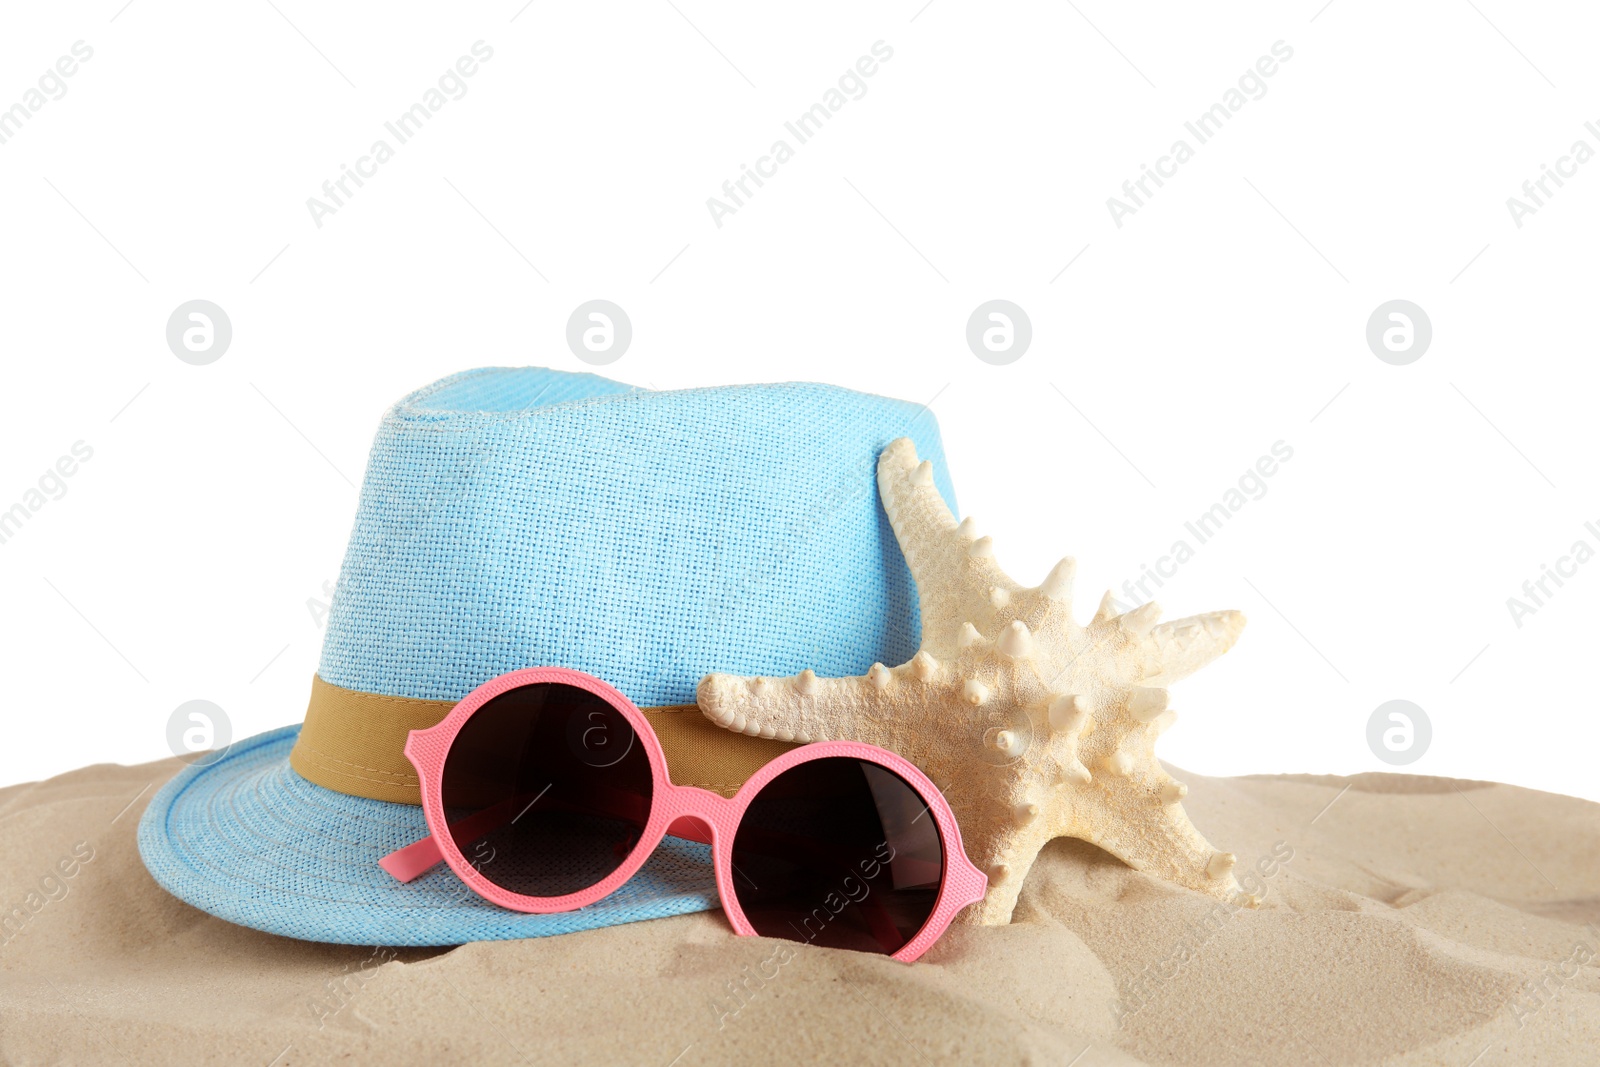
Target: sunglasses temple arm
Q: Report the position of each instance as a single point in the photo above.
(420, 857)
(413, 861)
(883, 927)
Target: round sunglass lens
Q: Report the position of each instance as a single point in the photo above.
(546, 789)
(838, 852)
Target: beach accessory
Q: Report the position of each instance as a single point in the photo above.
(1041, 728)
(517, 516)
(546, 789)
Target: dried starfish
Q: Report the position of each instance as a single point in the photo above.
(1035, 727)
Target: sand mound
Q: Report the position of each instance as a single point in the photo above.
(1408, 921)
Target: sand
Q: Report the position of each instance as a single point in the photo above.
(1408, 920)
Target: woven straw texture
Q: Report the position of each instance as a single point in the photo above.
(523, 517)
(645, 538)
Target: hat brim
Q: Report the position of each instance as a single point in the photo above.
(248, 840)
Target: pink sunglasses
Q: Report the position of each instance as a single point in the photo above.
(556, 785)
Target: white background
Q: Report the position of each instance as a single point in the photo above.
(1227, 314)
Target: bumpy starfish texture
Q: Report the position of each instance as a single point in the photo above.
(1033, 726)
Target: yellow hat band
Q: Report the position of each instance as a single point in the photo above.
(354, 743)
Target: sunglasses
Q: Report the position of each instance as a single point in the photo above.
(555, 785)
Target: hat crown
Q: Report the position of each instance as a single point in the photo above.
(517, 517)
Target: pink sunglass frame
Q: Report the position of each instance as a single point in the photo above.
(685, 811)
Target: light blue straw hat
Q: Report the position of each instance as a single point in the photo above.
(528, 517)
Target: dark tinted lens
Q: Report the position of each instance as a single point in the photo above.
(546, 789)
(838, 852)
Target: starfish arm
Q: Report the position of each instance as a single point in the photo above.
(806, 708)
(953, 567)
(1135, 818)
(1148, 836)
(1175, 650)
(1157, 837)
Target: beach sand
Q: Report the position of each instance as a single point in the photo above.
(1408, 920)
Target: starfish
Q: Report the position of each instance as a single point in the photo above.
(1033, 726)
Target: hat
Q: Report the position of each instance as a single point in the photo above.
(521, 517)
